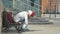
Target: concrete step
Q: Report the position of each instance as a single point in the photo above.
(39, 21)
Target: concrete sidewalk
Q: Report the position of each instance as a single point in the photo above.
(43, 29)
(39, 29)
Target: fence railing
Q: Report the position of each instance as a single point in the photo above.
(26, 5)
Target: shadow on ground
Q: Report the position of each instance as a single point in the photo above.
(15, 31)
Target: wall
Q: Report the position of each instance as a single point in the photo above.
(58, 6)
(1, 9)
(45, 4)
(8, 3)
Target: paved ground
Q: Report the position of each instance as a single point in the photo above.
(39, 29)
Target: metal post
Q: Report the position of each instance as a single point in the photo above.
(40, 7)
(55, 8)
(13, 3)
(50, 8)
(27, 5)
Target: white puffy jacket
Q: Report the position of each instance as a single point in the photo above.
(21, 14)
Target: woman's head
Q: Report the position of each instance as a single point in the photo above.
(31, 13)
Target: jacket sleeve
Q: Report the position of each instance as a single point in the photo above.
(26, 19)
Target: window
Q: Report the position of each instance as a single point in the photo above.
(32, 2)
(10, 0)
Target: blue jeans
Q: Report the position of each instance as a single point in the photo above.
(22, 19)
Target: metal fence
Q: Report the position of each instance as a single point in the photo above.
(27, 5)
(53, 9)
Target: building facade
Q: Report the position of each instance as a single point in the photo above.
(7, 3)
(39, 6)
